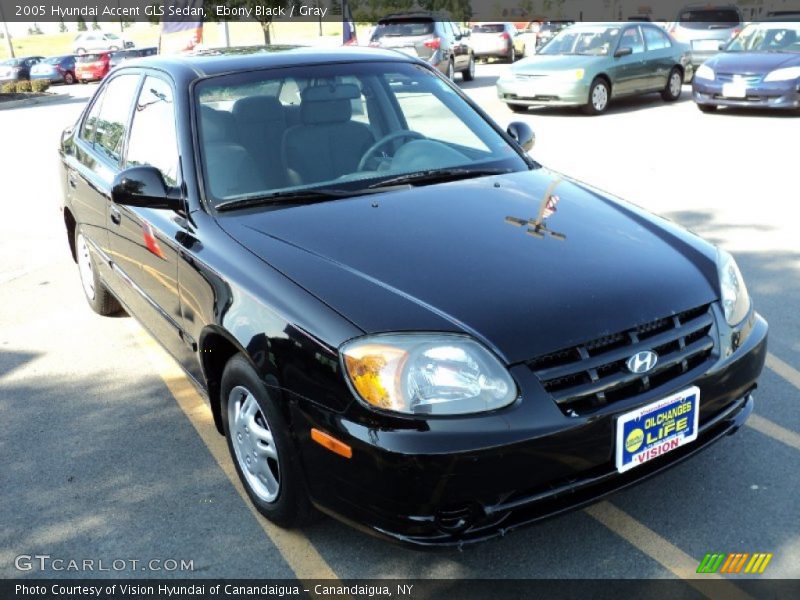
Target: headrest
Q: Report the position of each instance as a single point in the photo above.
(258, 108)
(215, 125)
(328, 103)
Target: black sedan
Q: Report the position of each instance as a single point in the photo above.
(758, 69)
(398, 316)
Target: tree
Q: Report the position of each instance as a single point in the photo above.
(62, 27)
(95, 24)
(81, 23)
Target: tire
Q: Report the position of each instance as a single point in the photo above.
(69, 78)
(256, 431)
(512, 54)
(674, 84)
(518, 108)
(469, 73)
(707, 108)
(95, 291)
(451, 70)
(599, 95)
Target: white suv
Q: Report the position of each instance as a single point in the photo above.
(96, 41)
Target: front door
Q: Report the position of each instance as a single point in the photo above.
(143, 241)
(631, 71)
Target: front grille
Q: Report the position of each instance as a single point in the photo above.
(584, 378)
(750, 80)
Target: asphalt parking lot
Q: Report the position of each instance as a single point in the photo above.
(109, 453)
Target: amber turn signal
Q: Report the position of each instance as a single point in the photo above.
(331, 443)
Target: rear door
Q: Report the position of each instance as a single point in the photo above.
(660, 56)
(143, 241)
(95, 162)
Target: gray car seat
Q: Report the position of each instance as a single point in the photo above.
(327, 143)
(261, 123)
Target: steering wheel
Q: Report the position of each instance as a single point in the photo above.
(396, 135)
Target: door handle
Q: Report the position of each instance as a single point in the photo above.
(72, 179)
(114, 215)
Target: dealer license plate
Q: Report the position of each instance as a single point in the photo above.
(735, 89)
(656, 429)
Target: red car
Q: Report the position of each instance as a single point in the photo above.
(92, 67)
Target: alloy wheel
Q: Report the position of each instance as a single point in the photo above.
(599, 97)
(253, 444)
(675, 84)
(85, 267)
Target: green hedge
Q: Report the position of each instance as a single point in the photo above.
(23, 86)
(9, 87)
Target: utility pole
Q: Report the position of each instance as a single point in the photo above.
(7, 34)
(226, 36)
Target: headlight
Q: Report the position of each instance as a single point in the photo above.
(735, 299)
(705, 72)
(786, 74)
(570, 75)
(427, 374)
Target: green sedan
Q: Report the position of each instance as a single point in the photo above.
(588, 64)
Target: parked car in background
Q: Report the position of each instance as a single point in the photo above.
(430, 37)
(760, 68)
(497, 40)
(123, 55)
(588, 64)
(548, 30)
(92, 67)
(18, 69)
(96, 41)
(56, 69)
(706, 28)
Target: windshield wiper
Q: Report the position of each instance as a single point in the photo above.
(305, 196)
(437, 175)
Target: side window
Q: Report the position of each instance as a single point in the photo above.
(656, 40)
(90, 124)
(632, 38)
(153, 140)
(447, 30)
(113, 118)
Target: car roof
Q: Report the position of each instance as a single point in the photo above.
(210, 62)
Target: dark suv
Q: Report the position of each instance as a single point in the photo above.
(430, 37)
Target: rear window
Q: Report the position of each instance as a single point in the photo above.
(709, 18)
(404, 28)
(86, 58)
(489, 28)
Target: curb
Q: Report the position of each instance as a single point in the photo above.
(32, 101)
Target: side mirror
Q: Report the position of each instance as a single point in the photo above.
(144, 187)
(522, 134)
(623, 52)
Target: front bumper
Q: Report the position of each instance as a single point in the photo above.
(448, 483)
(543, 91)
(779, 94)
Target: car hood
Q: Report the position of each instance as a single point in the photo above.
(753, 63)
(451, 257)
(547, 63)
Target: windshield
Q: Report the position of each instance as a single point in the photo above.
(111, 36)
(598, 41)
(404, 28)
(767, 37)
(709, 18)
(489, 28)
(54, 60)
(344, 127)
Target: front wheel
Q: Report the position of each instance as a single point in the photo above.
(469, 73)
(674, 85)
(599, 93)
(97, 295)
(261, 447)
(512, 55)
(69, 78)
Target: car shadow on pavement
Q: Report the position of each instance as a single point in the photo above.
(732, 111)
(628, 104)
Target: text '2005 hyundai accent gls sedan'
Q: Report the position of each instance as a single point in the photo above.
(398, 316)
